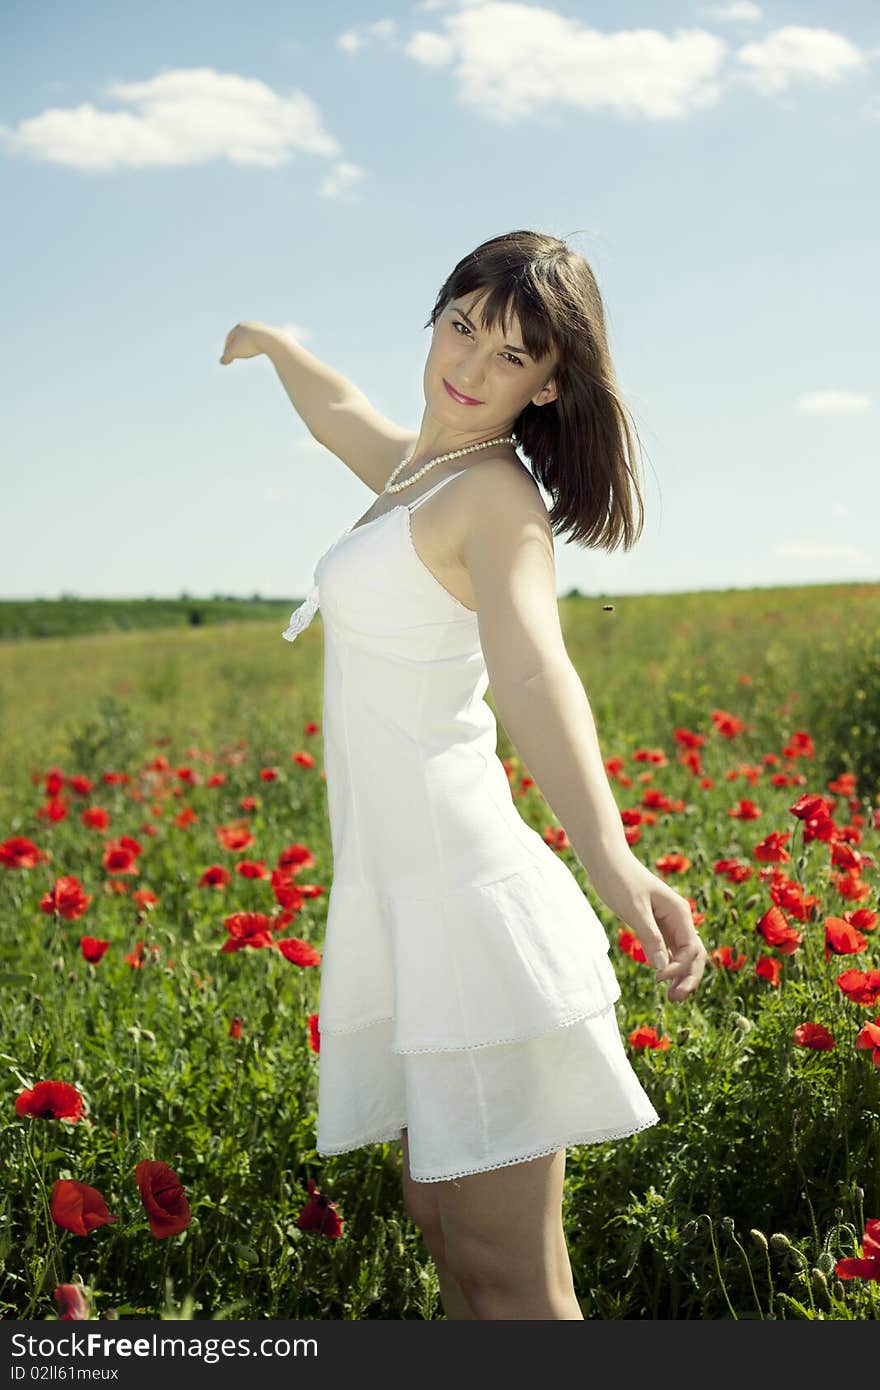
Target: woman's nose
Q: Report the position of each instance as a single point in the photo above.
(469, 375)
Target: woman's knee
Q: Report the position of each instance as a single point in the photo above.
(477, 1264)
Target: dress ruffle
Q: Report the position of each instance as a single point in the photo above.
(485, 1108)
(491, 963)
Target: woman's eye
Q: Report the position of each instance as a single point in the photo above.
(457, 323)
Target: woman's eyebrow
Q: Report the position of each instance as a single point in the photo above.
(458, 310)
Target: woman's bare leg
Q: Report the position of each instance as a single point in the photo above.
(504, 1242)
(420, 1201)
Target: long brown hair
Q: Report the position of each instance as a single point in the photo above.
(580, 446)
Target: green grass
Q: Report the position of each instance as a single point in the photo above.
(756, 1133)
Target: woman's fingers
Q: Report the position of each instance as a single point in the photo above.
(686, 971)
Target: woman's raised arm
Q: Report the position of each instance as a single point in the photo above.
(335, 411)
(314, 388)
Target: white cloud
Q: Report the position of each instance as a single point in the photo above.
(833, 402)
(183, 116)
(351, 40)
(430, 49)
(797, 54)
(341, 178)
(510, 59)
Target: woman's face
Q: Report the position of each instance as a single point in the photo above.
(492, 369)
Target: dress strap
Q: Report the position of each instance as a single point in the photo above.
(436, 488)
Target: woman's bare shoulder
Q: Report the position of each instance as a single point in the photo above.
(502, 484)
(496, 493)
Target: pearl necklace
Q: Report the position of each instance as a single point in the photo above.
(302, 616)
(393, 486)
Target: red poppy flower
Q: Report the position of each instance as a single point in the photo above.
(800, 745)
(288, 893)
(135, 958)
(251, 868)
(71, 1302)
(215, 876)
(299, 952)
(673, 863)
(810, 806)
(92, 948)
(777, 933)
(791, 896)
(119, 858)
(235, 1027)
(768, 968)
(304, 759)
(20, 853)
(631, 946)
(50, 1100)
(66, 897)
(861, 986)
(163, 1197)
(868, 1267)
(727, 725)
(234, 836)
(848, 886)
(247, 929)
(869, 1036)
(294, 857)
(815, 1036)
(771, 850)
(724, 958)
(77, 1207)
(319, 1214)
(842, 938)
(646, 1036)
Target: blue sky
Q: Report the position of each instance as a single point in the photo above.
(170, 169)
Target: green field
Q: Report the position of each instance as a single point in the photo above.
(766, 1163)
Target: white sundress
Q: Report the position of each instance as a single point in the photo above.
(466, 991)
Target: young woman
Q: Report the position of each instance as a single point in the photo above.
(467, 997)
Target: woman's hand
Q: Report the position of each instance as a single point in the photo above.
(660, 918)
(242, 341)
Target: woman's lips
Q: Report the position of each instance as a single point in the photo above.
(462, 400)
